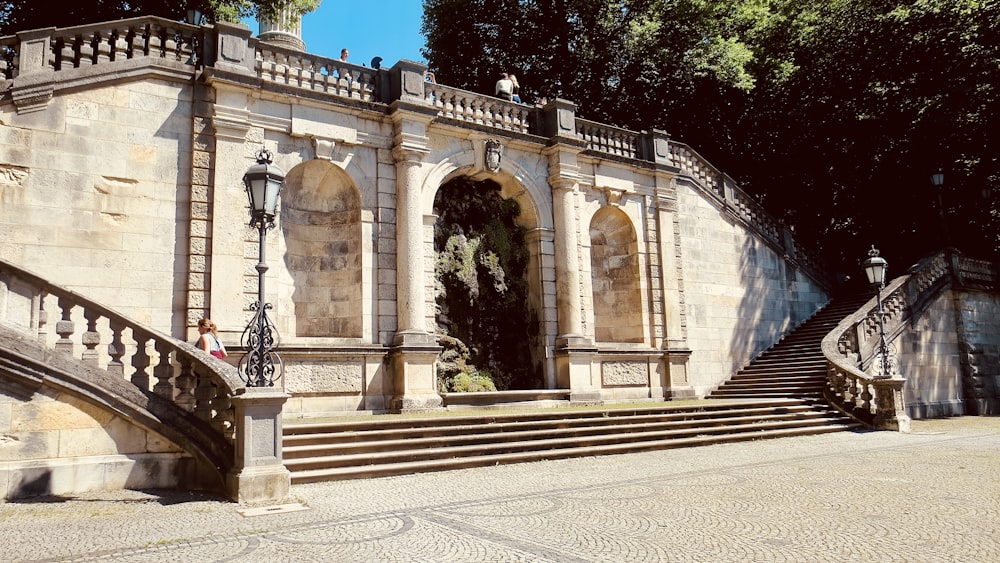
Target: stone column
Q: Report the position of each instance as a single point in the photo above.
(567, 256)
(414, 349)
(219, 210)
(259, 474)
(576, 369)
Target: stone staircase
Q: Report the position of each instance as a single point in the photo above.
(794, 367)
(780, 394)
(392, 446)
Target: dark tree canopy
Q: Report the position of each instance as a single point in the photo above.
(834, 113)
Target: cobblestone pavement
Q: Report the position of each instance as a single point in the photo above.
(933, 495)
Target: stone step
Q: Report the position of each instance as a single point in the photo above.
(294, 446)
(443, 462)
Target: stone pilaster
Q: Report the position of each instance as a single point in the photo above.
(225, 212)
(575, 353)
(415, 349)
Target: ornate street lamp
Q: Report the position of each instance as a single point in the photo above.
(263, 182)
(937, 180)
(875, 268)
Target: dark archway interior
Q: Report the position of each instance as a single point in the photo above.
(481, 288)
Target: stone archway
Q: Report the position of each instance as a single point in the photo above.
(481, 277)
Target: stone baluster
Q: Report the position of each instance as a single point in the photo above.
(139, 41)
(43, 318)
(64, 327)
(850, 396)
(116, 349)
(866, 397)
(140, 360)
(90, 338)
(185, 382)
(102, 48)
(224, 419)
(67, 53)
(204, 393)
(163, 371)
(120, 45)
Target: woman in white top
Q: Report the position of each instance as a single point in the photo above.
(209, 340)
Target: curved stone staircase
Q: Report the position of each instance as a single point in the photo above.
(780, 394)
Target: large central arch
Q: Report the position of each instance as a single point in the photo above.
(534, 200)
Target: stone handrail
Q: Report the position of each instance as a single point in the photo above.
(851, 348)
(610, 140)
(176, 371)
(62, 49)
(283, 65)
(479, 109)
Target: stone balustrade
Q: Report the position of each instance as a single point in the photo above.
(853, 346)
(609, 140)
(287, 66)
(98, 44)
(205, 388)
(479, 109)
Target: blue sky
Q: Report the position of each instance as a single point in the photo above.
(368, 28)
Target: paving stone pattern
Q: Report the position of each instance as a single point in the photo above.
(933, 495)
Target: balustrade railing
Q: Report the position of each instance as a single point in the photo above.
(610, 140)
(156, 363)
(296, 68)
(851, 348)
(98, 44)
(479, 109)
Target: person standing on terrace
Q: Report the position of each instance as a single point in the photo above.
(505, 88)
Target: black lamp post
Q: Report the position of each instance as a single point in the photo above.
(937, 180)
(875, 268)
(263, 183)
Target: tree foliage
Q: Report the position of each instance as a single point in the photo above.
(833, 112)
(35, 14)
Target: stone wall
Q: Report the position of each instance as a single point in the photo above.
(980, 351)
(94, 195)
(928, 354)
(740, 294)
(53, 443)
(950, 356)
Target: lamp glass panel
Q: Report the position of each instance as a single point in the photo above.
(257, 187)
(273, 189)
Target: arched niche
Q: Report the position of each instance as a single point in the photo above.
(321, 224)
(614, 262)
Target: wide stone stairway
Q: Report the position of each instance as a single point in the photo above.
(777, 395)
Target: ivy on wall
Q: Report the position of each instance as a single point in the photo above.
(481, 291)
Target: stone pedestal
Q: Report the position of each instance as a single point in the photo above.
(259, 475)
(679, 381)
(889, 411)
(413, 372)
(575, 363)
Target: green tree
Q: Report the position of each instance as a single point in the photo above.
(833, 112)
(34, 14)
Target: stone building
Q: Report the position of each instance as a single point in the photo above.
(122, 166)
(651, 275)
